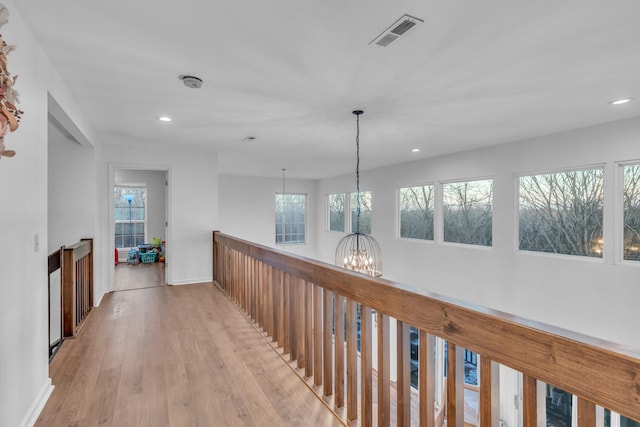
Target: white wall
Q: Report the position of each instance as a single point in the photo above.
(154, 181)
(596, 297)
(70, 186)
(24, 378)
(247, 209)
(192, 209)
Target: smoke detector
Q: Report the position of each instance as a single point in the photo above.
(395, 30)
(191, 81)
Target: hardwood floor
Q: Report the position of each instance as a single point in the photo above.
(175, 356)
(137, 276)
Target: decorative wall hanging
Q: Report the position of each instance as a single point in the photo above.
(9, 114)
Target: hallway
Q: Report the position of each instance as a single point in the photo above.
(138, 276)
(175, 356)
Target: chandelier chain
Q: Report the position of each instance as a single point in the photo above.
(358, 173)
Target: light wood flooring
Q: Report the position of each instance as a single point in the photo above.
(175, 356)
(138, 276)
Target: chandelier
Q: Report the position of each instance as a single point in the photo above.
(358, 251)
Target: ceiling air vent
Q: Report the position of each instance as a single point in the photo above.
(395, 30)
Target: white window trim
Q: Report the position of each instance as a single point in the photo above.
(516, 213)
(306, 221)
(146, 212)
(439, 212)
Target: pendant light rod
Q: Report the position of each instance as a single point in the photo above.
(283, 170)
(358, 113)
(284, 234)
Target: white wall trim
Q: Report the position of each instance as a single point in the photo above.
(193, 281)
(34, 411)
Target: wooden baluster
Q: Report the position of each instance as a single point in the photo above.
(265, 298)
(293, 310)
(258, 318)
(287, 315)
(352, 360)
(317, 335)
(255, 279)
(384, 368)
(403, 346)
(300, 320)
(338, 345)
(489, 393)
(246, 274)
(269, 296)
(586, 413)
(69, 293)
(281, 305)
(426, 383)
(308, 325)
(234, 277)
(455, 385)
(249, 287)
(328, 344)
(529, 401)
(274, 304)
(366, 398)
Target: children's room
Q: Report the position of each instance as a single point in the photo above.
(139, 202)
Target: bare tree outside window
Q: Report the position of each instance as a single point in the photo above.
(631, 195)
(416, 212)
(562, 212)
(336, 212)
(365, 212)
(467, 212)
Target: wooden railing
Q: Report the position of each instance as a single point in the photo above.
(300, 303)
(54, 261)
(77, 285)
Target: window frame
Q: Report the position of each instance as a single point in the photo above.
(127, 221)
(399, 213)
(440, 212)
(306, 216)
(344, 212)
(618, 231)
(516, 210)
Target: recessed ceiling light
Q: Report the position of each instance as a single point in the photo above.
(620, 101)
(415, 150)
(164, 118)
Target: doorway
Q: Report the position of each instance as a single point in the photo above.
(140, 224)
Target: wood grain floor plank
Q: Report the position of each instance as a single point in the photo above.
(175, 356)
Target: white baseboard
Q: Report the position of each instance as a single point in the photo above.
(34, 412)
(97, 303)
(192, 281)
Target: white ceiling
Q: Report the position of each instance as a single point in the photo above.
(289, 72)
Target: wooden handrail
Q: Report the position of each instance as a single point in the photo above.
(77, 285)
(597, 371)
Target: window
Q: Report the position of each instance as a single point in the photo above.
(631, 200)
(365, 212)
(467, 212)
(336, 212)
(561, 212)
(291, 214)
(130, 217)
(416, 212)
